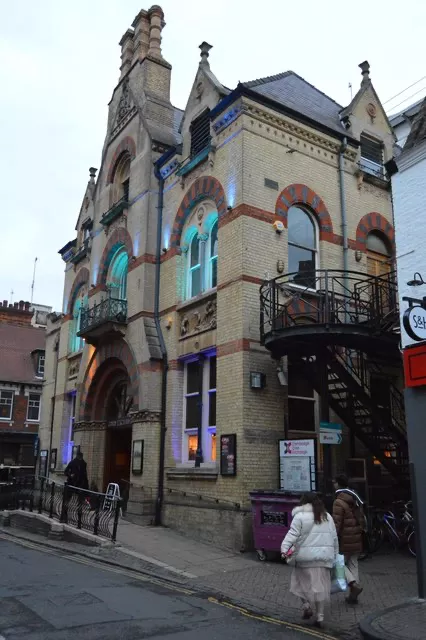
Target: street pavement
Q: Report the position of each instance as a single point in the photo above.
(51, 595)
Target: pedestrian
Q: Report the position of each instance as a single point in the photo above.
(76, 472)
(312, 542)
(348, 515)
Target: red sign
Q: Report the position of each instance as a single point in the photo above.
(415, 366)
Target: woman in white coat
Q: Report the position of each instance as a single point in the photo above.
(312, 544)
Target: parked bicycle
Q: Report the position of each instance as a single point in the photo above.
(394, 526)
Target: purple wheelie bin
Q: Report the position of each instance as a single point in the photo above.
(271, 511)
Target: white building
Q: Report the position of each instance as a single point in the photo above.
(403, 120)
(409, 192)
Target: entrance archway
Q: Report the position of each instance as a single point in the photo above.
(112, 401)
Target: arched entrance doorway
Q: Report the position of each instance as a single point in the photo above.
(111, 404)
(378, 254)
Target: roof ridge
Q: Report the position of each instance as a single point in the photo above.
(266, 79)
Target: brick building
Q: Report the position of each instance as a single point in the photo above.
(166, 344)
(22, 358)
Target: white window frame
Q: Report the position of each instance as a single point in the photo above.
(4, 418)
(209, 258)
(316, 250)
(189, 269)
(41, 360)
(32, 406)
(208, 431)
(315, 400)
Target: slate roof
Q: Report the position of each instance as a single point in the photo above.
(292, 91)
(417, 134)
(16, 345)
(177, 119)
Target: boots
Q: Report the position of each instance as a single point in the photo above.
(354, 591)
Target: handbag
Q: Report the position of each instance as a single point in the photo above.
(338, 579)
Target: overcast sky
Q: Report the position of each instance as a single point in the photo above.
(59, 63)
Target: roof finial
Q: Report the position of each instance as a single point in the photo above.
(92, 174)
(205, 48)
(365, 71)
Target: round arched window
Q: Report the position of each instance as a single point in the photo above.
(302, 247)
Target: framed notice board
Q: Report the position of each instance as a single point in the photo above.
(228, 455)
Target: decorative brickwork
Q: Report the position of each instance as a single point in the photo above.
(206, 187)
(120, 237)
(301, 194)
(123, 352)
(127, 144)
(373, 222)
(80, 280)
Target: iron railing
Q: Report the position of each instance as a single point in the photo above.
(97, 513)
(108, 310)
(116, 210)
(328, 298)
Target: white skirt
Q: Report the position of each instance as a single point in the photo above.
(313, 584)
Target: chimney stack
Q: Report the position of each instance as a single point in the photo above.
(17, 313)
(126, 44)
(141, 35)
(365, 72)
(156, 17)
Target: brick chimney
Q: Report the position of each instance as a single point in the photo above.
(141, 35)
(127, 47)
(18, 313)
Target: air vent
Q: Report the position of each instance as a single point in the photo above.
(271, 184)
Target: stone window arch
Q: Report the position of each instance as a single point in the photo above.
(121, 179)
(117, 273)
(302, 246)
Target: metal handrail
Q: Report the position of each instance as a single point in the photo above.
(328, 297)
(110, 309)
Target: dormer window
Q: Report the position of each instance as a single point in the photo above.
(40, 365)
(200, 133)
(371, 156)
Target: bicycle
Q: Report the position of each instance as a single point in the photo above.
(398, 530)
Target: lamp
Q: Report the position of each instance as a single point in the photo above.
(257, 380)
(417, 280)
(282, 377)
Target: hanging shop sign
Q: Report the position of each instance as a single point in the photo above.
(414, 321)
(297, 465)
(330, 433)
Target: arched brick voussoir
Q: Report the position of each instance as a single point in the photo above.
(81, 278)
(374, 222)
(204, 187)
(301, 194)
(120, 350)
(120, 237)
(127, 144)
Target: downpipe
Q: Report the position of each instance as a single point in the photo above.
(344, 225)
(52, 417)
(165, 368)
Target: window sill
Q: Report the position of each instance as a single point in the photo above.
(210, 293)
(194, 162)
(208, 471)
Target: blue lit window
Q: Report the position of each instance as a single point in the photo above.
(77, 343)
(117, 276)
(194, 271)
(212, 266)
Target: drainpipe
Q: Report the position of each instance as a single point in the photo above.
(160, 491)
(343, 215)
(52, 417)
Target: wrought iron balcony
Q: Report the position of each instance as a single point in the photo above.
(338, 307)
(115, 211)
(82, 252)
(107, 319)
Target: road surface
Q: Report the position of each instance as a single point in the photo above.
(45, 595)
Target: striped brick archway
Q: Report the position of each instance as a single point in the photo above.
(119, 350)
(126, 145)
(119, 237)
(81, 279)
(205, 187)
(301, 194)
(374, 222)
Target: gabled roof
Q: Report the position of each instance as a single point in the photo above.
(408, 113)
(16, 345)
(417, 134)
(294, 92)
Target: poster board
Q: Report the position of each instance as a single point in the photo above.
(297, 465)
(43, 463)
(228, 455)
(112, 495)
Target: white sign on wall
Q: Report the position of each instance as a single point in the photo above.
(297, 465)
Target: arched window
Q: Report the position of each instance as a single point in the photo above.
(212, 265)
(378, 254)
(117, 274)
(121, 181)
(194, 267)
(302, 247)
(77, 343)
